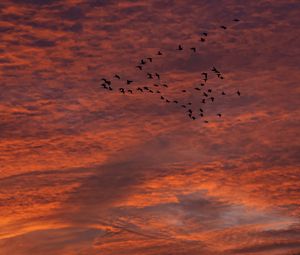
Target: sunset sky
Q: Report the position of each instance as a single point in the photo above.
(87, 171)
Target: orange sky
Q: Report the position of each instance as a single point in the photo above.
(87, 171)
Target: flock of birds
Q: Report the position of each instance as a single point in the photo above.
(155, 88)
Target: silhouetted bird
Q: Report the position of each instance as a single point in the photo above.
(183, 106)
(206, 95)
(175, 101)
(168, 101)
(122, 90)
(197, 89)
(159, 53)
(110, 88)
(104, 85)
(204, 33)
(157, 75)
(201, 115)
(201, 110)
(219, 114)
(157, 91)
(223, 93)
(150, 76)
(183, 90)
(189, 103)
(193, 49)
(179, 47)
(238, 92)
(212, 99)
(117, 76)
(162, 98)
(223, 27)
(190, 111)
(202, 84)
(130, 91)
(215, 70)
(150, 59)
(146, 88)
(143, 62)
(151, 91)
(129, 81)
(139, 67)
(155, 85)
(206, 121)
(203, 101)
(202, 39)
(236, 20)
(209, 90)
(165, 85)
(193, 117)
(205, 76)
(139, 89)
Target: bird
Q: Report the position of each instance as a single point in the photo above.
(197, 89)
(117, 76)
(193, 117)
(183, 106)
(175, 101)
(206, 95)
(179, 47)
(202, 39)
(202, 84)
(219, 114)
(223, 93)
(168, 101)
(236, 20)
(129, 81)
(189, 103)
(205, 76)
(139, 67)
(155, 85)
(146, 88)
(212, 99)
(201, 115)
(238, 92)
(157, 91)
(106, 81)
(209, 90)
(143, 62)
(130, 91)
(122, 90)
(215, 70)
(157, 75)
(203, 101)
(159, 53)
(165, 85)
(151, 91)
(223, 27)
(110, 88)
(201, 110)
(104, 85)
(162, 98)
(204, 33)
(150, 76)
(139, 89)
(206, 121)
(193, 49)
(150, 59)
(183, 90)
(190, 111)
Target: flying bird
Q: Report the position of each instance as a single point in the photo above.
(157, 75)
(139, 67)
(204, 33)
(193, 49)
(117, 76)
(159, 53)
(150, 59)
(236, 20)
(165, 85)
(183, 90)
(209, 90)
(179, 47)
(238, 92)
(202, 39)
(130, 91)
(219, 114)
(139, 89)
(206, 95)
(143, 62)
(212, 99)
(197, 88)
(205, 76)
(175, 101)
(122, 90)
(155, 85)
(223, 93)
(128, 82)
(223, 27)
(150, 76)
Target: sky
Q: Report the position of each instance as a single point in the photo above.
(85, 170)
